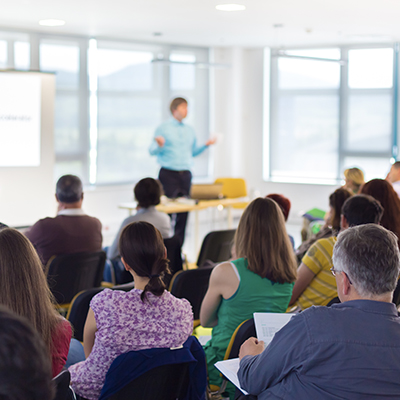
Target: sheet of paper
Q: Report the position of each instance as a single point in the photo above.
(267, 324)
(230, 368)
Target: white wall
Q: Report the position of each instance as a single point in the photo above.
(27, 193)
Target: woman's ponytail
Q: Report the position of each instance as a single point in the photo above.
(156, 283)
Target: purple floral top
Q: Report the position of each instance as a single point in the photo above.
(125, 323)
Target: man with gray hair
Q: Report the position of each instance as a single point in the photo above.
(71, 231)
(347, 351)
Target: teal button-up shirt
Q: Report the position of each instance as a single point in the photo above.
(180, 146)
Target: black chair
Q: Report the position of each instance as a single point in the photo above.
(78, 311)
(174, 254)
(396, 294)
(80, 304)
(191, 285)
(244, 331)
(63, 390)
(155, 374)
(169, 382)
(333, 301)
(216, 247)
(69, 274)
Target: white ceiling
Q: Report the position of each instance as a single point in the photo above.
(197, 22)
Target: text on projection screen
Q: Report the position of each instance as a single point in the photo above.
(20, 99)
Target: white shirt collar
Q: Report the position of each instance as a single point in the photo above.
(72, 211)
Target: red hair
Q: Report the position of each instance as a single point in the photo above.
(283, 203)
(383, 191)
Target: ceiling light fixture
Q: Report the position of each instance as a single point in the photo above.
(51, 22)
(230, 7)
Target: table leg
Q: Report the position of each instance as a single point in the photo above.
(230, 217)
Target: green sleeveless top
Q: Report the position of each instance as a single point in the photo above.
(254, 294)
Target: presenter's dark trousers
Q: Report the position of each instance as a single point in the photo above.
(177, 184)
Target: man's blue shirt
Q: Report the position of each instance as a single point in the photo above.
(180, 146)
(348, 351)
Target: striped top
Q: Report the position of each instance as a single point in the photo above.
(322, 288)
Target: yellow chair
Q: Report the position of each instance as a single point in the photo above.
(233, 188)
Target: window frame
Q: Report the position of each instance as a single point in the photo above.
(344, 92)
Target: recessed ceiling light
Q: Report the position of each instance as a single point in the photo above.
(230, 7)
(51, 22)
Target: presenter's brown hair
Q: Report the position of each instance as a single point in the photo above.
(176, 102)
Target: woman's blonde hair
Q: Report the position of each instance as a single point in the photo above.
(24, 288)
(261, 237)
(354, 174)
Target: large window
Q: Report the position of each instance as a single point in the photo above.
(110, 97)
(330, 109)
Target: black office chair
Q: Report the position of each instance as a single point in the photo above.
(333, 301)
(69, 274)
(244, 331)
(174, 255)
(80, 304)
(191, 285)
(63, 390)
(78, 310)
(169, 382)
(155, 374)
(396, 294)
(216, 247)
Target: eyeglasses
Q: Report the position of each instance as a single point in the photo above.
(334, 271)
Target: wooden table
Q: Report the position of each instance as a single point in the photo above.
(175, 207)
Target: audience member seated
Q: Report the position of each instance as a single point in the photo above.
(146, 317)
(2, 226)
(24, 290)
(147, 193)
(354, 179)
(315, 285)
(284, 204)
(393, 177)
(347, 351)
(25, 370)
(71, 231)
(386, 195)
(332, 224)
(261, 280)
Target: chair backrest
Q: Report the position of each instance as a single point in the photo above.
(333, 301)
(396, 294)
(63, 390)
(216, 246)
(78, 311)
(69, 274)
(158, 374)
(169, 382)
(191, 285)
(233, 187)
(244, 331)
(174, 255)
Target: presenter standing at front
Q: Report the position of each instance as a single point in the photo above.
(175, 146)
